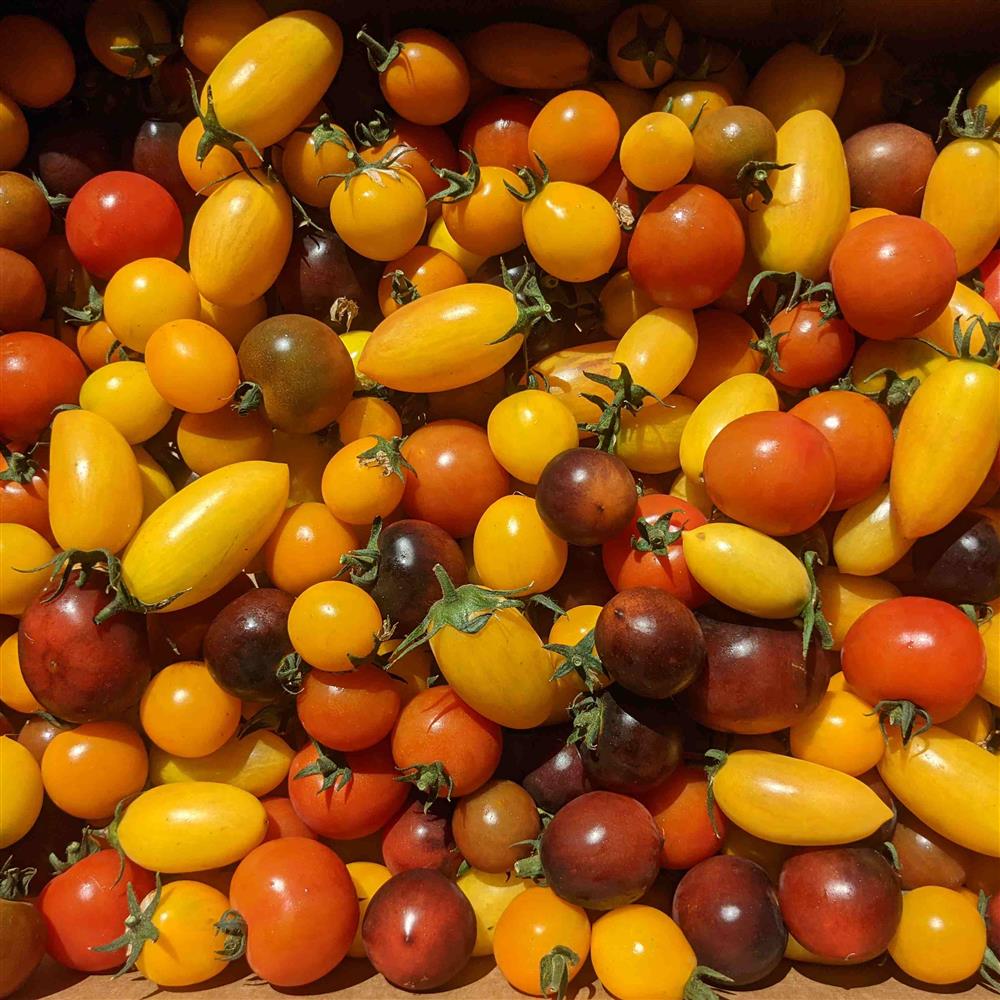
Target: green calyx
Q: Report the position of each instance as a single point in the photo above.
(234, 927)
(433, 780)
(248, 397)
(76, 851)
(755, 175)
(649, 45)
(325, 131)
(669, 109)
(553, 971)
(626, 395)
(402, 291)
(656, 536)
(531, 866)
(56, 201)
(587, 720)
(216, 134)
(380, 58)
(385, 454)
(334, 772)
(291, 672)
(459, 186)
(373, 132)
(274, 717)
(794, 288)
(697, 989)
(139, 928)
(14, 882)
(531, 303)
(362, 565)
(988, 354)
(890, 849)
(767, 347)
(894, 395)
(147, 53)
(715, 761)
(91, 312)
(903, 715)
(813, 619)
(385, 166)
(20, 467)
(580, 659)
(533, 182)
(972, 123)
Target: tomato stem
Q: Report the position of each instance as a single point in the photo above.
(903, 714)
(233, 925)
(386, 455)
(14, 882)
(716, 760)
(380, 58)
(324, 132)
(649, 44)
(402, 290)
(76, 851)
(91, 312)
(755, 175)
(553, 971)
(139, 928)
(971, 125)
(587, 720)
(216, 134)
(656, 536)
(363, 564)
(20, 467)
(431, 779)
(373, 132)
(291, 671)
(811, 614)
(460, 186)
(581, 659)
(696, 989)
(531, 303)
(331, 768)
(627, 395)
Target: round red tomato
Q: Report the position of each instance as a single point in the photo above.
(38, 373)
(989, 270)
(810, 350)
(859, 432)
(119, 217)
(687, 247)
(24, 499)
(348, 709)
(915, 649)
(771, 471)
(497, 131)
(645, 557)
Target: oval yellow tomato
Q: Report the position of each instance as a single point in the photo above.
(156, 484)
(489, 895)
(211, 441)
(622, 303)
(650, 441)
(907, 358)
(14, 693)
(21, 791)
(974, 723)
(123, 393)
(439, 238)
(841, 732)
(986, 90)
(869, 538)
(990, 632)
(846, 598)
(310, 162)
(796, 78)
(692, 490)
(565, 374)
(22, 548)
(659, 348)
(212, 27)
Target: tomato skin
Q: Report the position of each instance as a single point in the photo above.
(350, 710)
(965, 304)
(123, 393)
(724, 341)
(39, 373)
(657, 151)
(678, 807)
(37, 61)
(811, 350)
(120, 216)
(13, 133)
(307, 163)
(113, 23)
(208, 442)
(796, 79)
(489, 895)
(659, 348)
(211, 28)
(332, 621)
(528, 56)
(672, 257)
(625, 27)
(497, 131)
(22, 548)
(430, 270)
(847, 597)
(305, 547)
(489, 221)
(842, 732)
(21, 794)
(527, 429)
(649, 441)
(358, 490)
(86, 905)
(575, 135)
(299, 903)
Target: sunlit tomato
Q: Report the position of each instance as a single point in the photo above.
(644, 43)
(346, 797)
(846, 598)
(36, 62)
(204, 175)
(208, 441)
(348, 710)
(439, 238)
(192, 366)
(527, 429)
(426, 269)
(13, 133)
(496, 131)
(119, 217)
(724, 341)
(88, 770)
(690, 100)
(771, 471)
(514, 550)
(368, 877)
(310, 156)
(649, 441)
(366, 416)
(332, 621)
(431, 145)
(455, 476)
(575, 135)
(622, 304)
(489, 895)
(186, 712)
(14, 693)
(659, 348)
(657, 151)
(533, 924)
(437, 727)
(963, 308)
(112, 24)
(678, 807)
(687, 247)
(364, 480)
(123, 393)
(484, 216)
(869, 537)
(21, 792)
(211, 28)
(24, 493)
(807, 349)
(306, 546)
(233, 322)
(693, 491)
(915, 649)
(841, 732)
(648, 558)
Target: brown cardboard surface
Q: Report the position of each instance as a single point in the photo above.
(355, 980)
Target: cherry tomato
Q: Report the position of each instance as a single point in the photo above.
(306, 546)
(364, 480)
(657, 151)
(692, 99)
(484, 217)
(431, 145)
(332, 621)
(724, 350)
(497, 130)
(426, 269)
(22, 549)
(644, 43)
(192, 366)
(13, 133)
(309, 157)
(678, 807)
(24, 494)
(14, 693)
(808, 350)
(21, 793)
(349, 710)
(27, 216)
(725, 141)
(841, 732)
(208, 441)
(123, 393)
(575, 135)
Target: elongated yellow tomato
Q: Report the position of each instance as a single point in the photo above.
(746, 569)
(156, 484)
(240, 239)
(846, 598)
(974, 723)
(257, 763)
(659, 348)
(650, 440)
(122, 393)
(962, 198)
(808, 214)
(191, 826)
(796, 802)
(907, 358)
(439, 238)
(965, 305)
(986, 90)
(446, 339)
(502, 671)
(947, 441)
(951, 784)
(272, 78)
(199, 539)
(990, 687)
(869, 538)
(22, 548)
(795, 79)
(95, 492)
(737, 396)
(692, 490)
(21, 791)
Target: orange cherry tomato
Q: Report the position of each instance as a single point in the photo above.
(332, 621)
(575, 135)
(368, 416)
(306, 546)
(421, 271)
(208, 441)
(644, 43)
(364, 480)
(192, 366)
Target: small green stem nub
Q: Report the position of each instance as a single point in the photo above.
(91, 312)
(402, 290)
(248, 397)
(290, 672)
(649, 44)
(234, 927)
(716, 761)
(380, 58)
(432, 779)
(363, 564)
(626, 395)
(531, 303)
(328, 765)
(971, 125)
(755, 175)
(385, 454)
(139, 928)
(587, 720)
(811, 613)
(460, 186)
(696, 989)
(581, 659)
(76, 851)
(794, 288)
(216, 134)
(657, 536)
(14, 882)
(553, 971)
(20, 467)
(902, 714)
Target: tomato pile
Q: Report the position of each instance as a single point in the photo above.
(509, 495)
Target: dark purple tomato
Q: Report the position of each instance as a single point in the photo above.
(927, 858)
(650, 642)
(841, 902)
(638, 747)
(247, 640)
(154, 153)
(419, 930)
(728, 910)
(79, 671)
(38, 732)
(317, 272)
(756, 679)
(586, 496)
(888, 167)
(961, 562)
(406, 586)
(71, 153)
(419, 838)
(558, 780)
(601, 850)
(526, 749)
(492, 824)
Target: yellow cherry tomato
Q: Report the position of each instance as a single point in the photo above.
(233, 322)
(799, 228)
(659, 348)
(488, 220)
(650, 441)
(115, 24)
(211, 441)
(199, 539)
(986, 90)
(123, 393)
(846, 598)
(622, 303)
(639, 65)
(144, 295)
(257, 763)
(192, 365)
(332, 621)
(95, 492)
(858, 217)
(568, 630)
(907, 358)
(514, 550)
(306, 456)
(990, 632)
(940, 938)
(796, 802)
(869, 537)
(156, 484)
(747, 570)
(737, 396)
(951, 784)
(692, 490)
(364, 480)
(841, 732)
(191, 826)
(974, 723)
(690, 100)
(14, 692)
(796, 78)
(240, 239)
(22, 548)
(213, 27)
(657, 151)
(21, 791)
(365, 416)
(425, 269)
(439, 238)
(13, 133)
(306, 546)
(489, 895)
(308, 158)
(368, 877)
(218, 165)
(529, 428)
(964, 306)
(188, 944)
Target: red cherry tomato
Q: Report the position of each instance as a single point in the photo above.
(497, 131)
(810, 350)
(989, 271)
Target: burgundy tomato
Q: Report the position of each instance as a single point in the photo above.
(808, 350)
(421, 838)
(496, 131)
(558, 779)
(888, 166)
(154, 155)
(961, 562)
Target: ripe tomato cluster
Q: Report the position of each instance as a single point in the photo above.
(553, 520)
